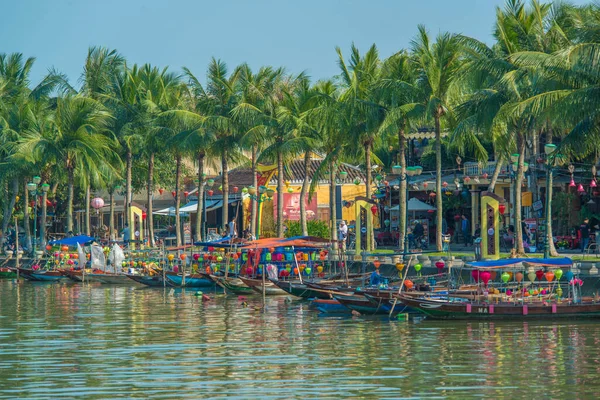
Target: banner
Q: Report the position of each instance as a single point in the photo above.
(291, 207)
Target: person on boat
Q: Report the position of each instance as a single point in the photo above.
(375, 278)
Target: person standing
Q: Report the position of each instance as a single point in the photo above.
(232, 228)
(343, 233)
(585, 234)
(126, 233)
(464, 227)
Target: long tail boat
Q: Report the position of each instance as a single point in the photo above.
(302, 290)
(257, 285)
(541, 297)
(233, 285)
(191, 281)
(329, 306)
(42, 275)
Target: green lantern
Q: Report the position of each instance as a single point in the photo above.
(505, 276)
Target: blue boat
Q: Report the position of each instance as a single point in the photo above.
(191, 281)
(329, 306)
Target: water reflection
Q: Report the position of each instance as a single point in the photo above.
(60, 340)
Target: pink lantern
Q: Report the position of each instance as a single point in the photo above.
(572, 183)
(485, 277)
(475, 274)
(593, 183)
(485, 175)
(440, 266)
(196, 256)
(580, 189)
(445, 184)
(97, 203)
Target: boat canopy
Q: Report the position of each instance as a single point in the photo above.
(73, 241)
(549, 262)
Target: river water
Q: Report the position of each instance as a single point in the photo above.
(69, 340)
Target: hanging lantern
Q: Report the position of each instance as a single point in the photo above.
(186, 193)
(549, 276)
(357, 181)
(580, 189)
(432, 195)
(539, 274)
(485, 277)
(484, 175)
(173, 193)
(144, 215)
(593, 183)
(161, 191)
(501, 209)
(343, 174)
(210, 192)
(374, 209)
(182, 256)
(467, 179)
(399, 267)
(531, 276)
(572, 183)
(445, 184)
(386, 183)
(386, 222)
(519, 277)
(290, 190)
(505, 277)
(475, 275)
(235, 189)
(97, 203)
(170, 257)
(425, 184)
(558, 274)
(418, 267)
(440, 266)
(376, 263)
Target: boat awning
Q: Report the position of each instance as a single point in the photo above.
(170, 211)
(550, 262)
(73, 241)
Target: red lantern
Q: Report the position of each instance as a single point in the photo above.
(186, 193)
(457, 217)
(161, 191)
(501, 208)
(386, 183)
(210, 192)
(432, 195)
(485, 175)
(48, 247)
(211, 249)
(445, 184)
(144, 215)
(182, 256)
(440, 266)
(485, 277)
(235, 189)
(475, 275)
(425, 184)
(196, 256)
(173, 193)
(376, 263)
(539, 274)
(374, 209)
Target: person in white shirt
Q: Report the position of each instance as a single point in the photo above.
(343, 231)
(232, 230)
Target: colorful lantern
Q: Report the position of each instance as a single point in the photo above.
(400, 266)
(319, 268)
(182, 256)
(418, 267)
(485, 277)
(161, 191)
(170, 257)
(539, 274)
(475, 275)
(440, 265)
(173, 193)
(505, 277)
(501, 209)
(374, 209)
(376, 263)
(549, 276)
(409, 284)
(531, 276)
(519, 277)
(308, 271)
(558, 273)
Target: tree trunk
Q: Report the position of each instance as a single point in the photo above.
(280, 179)
(177, 199)
(199, 206)
(9, 206)
(332, 201)
(254, 183)
(549, 183)
(150, 190)
(494, 178)
(402, 198)
(88, 227)
(26, 224)
(70, 194)
(303, 192)
(111, 222)
(225, 183)
(43, 217)
(518, 191)
(369, 245)
(128, 190)
(438, 183)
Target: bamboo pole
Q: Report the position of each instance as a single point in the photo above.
(401, 286)
(16, 253)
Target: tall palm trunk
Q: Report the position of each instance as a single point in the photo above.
(495, 174)
(9, 206)
(127, 217)
(88, 228)
(254, 183)
(26, 216)
(403, 200)
(549, 183)
(518, 191)
(438, 182)
(225, 183)
(43, 217)
(332, 200)
(70, 194)
(280, 180)
(177, 199)
(111, 222)
(303, 192)
(150, 191)
(199, 206)
(369, 245)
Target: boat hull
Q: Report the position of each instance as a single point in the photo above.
(442, 309)
(191, 281)
(301, 290)
(257, 285)
(41, 276)
(329, 306)
(152, 281)
(233, 285)
(7, 273)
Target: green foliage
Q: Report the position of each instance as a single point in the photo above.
(315, 228)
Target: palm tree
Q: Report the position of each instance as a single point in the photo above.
(438, 66)
(77, 139)
(215, 102)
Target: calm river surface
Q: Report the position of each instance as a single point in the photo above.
(69, 340)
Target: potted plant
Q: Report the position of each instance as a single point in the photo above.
(562, 244)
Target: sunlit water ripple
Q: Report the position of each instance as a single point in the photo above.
(68, 340)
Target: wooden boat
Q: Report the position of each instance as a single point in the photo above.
(42, 275)
(257, 285)
(191, 281)
(302, 290)
(329, 306)
(360, 303)
(153, 281)
(7, 273)
(456, 309)
(98, 276)
(232, 285)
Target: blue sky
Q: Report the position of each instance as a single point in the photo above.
(300, 35)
